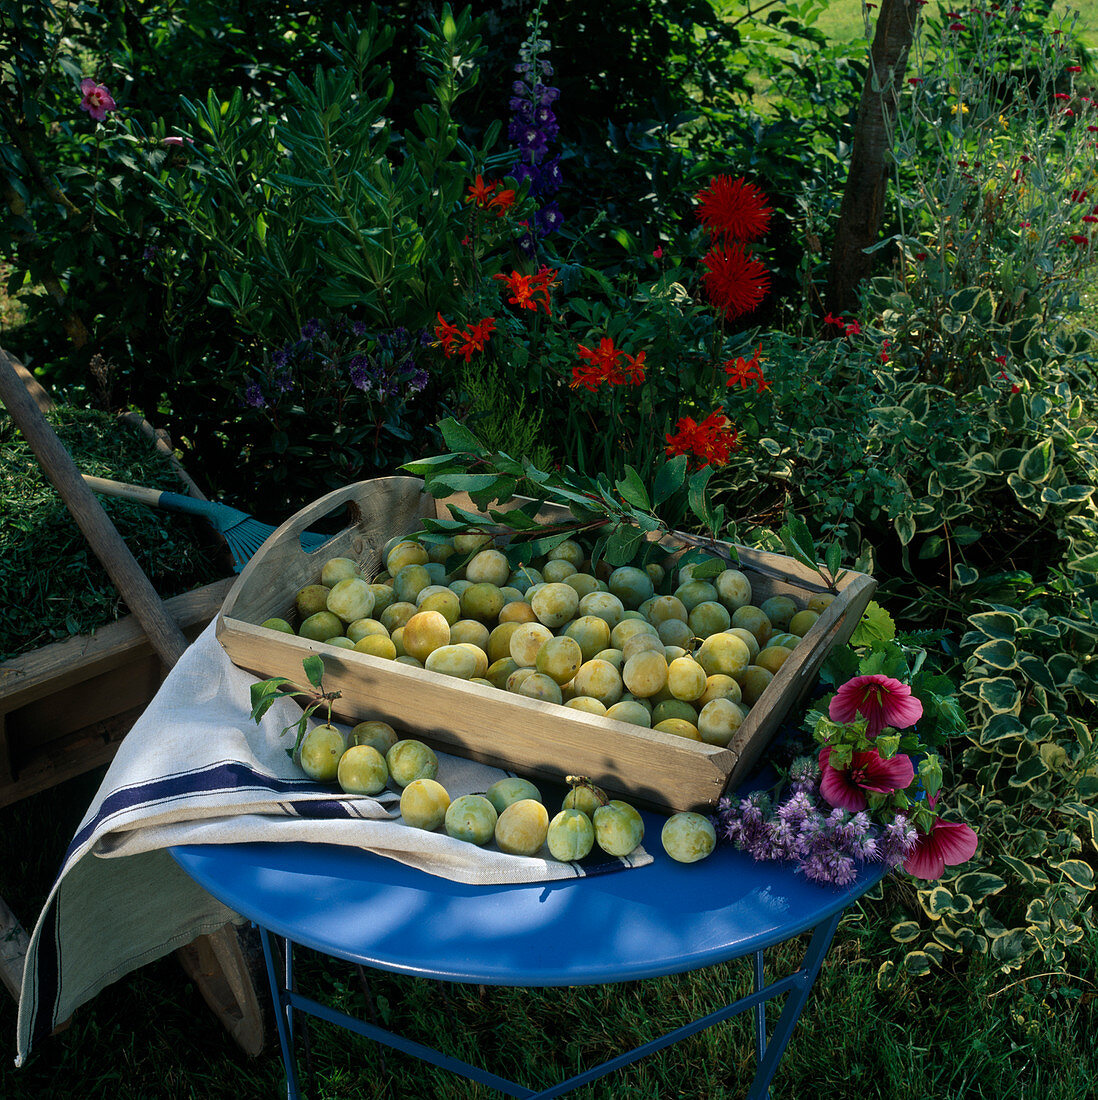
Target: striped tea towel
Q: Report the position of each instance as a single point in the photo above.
(196, 769)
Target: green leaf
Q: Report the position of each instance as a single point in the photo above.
(1000, 694)
(669, 479)
(622, 544)
(995, 624)
(695, 494)
(1036, 463)
(1013, 946)
(999, 654)
(918, 963)
(314, 668)
(1086, 564)
(905, 528)
(1082, 874)
(469, 483)
(458, 437)
(1028, 771)
(875, 625)
(424, 466)
(979, 885)
(906, 931)
(936, 901)
(632, 490)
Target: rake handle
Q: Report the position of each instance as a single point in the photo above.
(155, 498)
(103, 537)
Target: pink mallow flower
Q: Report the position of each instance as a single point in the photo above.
(947, 844)
(880, 699)
(97, 100)
(845, 788)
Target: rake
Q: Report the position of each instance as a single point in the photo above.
(244, 534)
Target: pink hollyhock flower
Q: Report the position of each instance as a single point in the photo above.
(97, 100)
(880, 699)
(947, 843)
(869, 771)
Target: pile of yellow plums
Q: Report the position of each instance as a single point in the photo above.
(689, 661)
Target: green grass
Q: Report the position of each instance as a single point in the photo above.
(968, 1031)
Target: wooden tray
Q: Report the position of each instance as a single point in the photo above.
(531, 737)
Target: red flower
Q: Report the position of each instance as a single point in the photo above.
(733, 209)
(845, 788)
(95, 99)
(853, 329)
(456, 341)
(604, 365)
(530, 291)
(657, 252)
(1074, 69)
(1079, 239)
(747, 372)
(1061, 96)
(880, 699)
(946, 844)
(502, 202)
(735, 281)
(709, 443)
(884, 351)
(956, 26)
(480, 192)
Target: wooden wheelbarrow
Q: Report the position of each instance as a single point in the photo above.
(222, 965)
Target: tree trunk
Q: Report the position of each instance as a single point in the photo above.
(867, 180)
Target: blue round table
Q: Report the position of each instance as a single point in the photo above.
(663, 918)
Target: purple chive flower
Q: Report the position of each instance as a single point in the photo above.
(359, 328)
(281, 358)
(312, 329)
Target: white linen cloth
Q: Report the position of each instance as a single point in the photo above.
(196, 769)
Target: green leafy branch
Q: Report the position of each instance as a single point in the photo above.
(265, 693)
(799, 544)
(620, 517)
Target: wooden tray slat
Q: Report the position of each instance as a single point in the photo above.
(525, 735)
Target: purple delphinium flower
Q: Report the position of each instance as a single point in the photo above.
(532, 127)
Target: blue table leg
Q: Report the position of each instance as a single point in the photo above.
(797, 987)
(281, 994)
(804, 979)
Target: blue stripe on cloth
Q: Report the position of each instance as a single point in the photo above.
(47, 986)
(222, 776)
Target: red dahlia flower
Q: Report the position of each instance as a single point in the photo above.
(734, 210)
(735, 281)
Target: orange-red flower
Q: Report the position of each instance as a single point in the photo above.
(746, 372)
(480, 192)
(530, 291)
(734, 281)
(734, 210)
(464, 342)
(488, 196)
(603, 365)
(709, 443)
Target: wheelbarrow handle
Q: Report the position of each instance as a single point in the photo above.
(127, 576)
